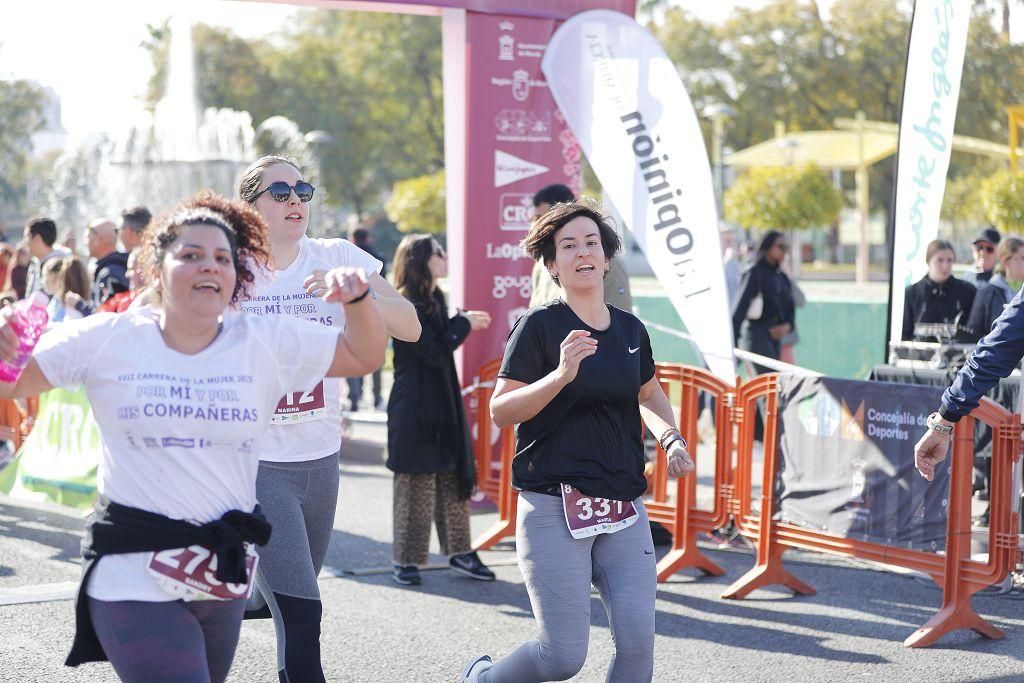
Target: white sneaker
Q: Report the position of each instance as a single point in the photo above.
(471, 674)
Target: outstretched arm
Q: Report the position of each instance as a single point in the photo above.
(360, 350)
(398, 313)
(656, 411)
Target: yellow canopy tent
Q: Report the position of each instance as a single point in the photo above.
(855, 145)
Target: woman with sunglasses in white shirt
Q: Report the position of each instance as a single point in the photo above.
(297, 485)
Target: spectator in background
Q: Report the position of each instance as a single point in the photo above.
(616, 280)
(428, 438)
(111, 265)
(993, 295)
(764, 312)
(7, 260)
(938, 297)
(18, 272)
(362, 238)
(66, 281)
(134, 222)
(137, 281)
(730, 260)
(983, 248)
(787, 352)
(40, 237)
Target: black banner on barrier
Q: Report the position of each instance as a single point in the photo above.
(846, 460)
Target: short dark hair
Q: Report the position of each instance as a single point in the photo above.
(136, 218)
(360, 235)
(539, 242)
(45, 228)
(553, 194)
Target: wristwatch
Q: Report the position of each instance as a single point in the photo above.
(934, 423)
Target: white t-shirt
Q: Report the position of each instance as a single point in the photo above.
(307, 422)
(180, 433)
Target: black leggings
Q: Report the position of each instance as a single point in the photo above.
(172, 642)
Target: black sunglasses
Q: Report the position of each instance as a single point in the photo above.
(987, 248)
(282, 191)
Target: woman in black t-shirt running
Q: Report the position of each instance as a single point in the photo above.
(576, 378)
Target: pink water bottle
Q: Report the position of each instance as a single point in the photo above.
(29, 323)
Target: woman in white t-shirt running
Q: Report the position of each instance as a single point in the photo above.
(180, 390)
(297, 484)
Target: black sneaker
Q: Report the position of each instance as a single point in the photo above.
(469, 564)
(407, 575)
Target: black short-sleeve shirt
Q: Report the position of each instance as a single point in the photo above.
(590, 434)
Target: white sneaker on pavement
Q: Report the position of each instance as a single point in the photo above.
(471, 674)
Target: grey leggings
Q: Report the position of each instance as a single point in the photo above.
(299, 500)
(172, 642)
(558, 571)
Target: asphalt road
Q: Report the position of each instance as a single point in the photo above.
(376, 631)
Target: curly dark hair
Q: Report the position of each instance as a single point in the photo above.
(539, 242)
(244, 228)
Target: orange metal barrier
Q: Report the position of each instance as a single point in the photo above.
(681, 516)
(16, 420)
(496, 485)
(735, 409)
(957, 575)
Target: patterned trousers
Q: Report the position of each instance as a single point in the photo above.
(417, 497)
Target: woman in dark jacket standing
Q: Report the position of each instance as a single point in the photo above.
(765, 302)
(938, 297)
(428, 439)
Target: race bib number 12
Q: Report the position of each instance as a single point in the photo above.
(301, 406)
(586, 516)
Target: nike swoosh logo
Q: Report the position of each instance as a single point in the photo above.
(648, 552)
(633, 350)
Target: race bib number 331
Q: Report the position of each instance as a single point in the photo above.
(586, 516)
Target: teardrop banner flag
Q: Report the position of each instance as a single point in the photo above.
(623, 99)
(931, 89)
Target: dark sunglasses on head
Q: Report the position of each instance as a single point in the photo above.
(282, 191)
(987, 248)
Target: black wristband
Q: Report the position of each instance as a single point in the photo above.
(359, 298)
(948, 415)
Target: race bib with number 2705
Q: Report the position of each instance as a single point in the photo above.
(190, 574)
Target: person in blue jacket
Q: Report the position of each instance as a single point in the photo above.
(995, 357)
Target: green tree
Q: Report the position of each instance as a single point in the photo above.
(21, 114)
(962, 204)
(784, 61)
(371, 81)
(1002, 195)
(417, 204)
(783, 198)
